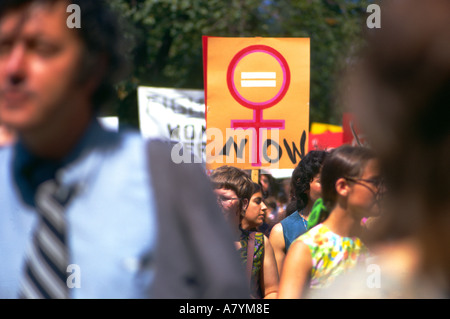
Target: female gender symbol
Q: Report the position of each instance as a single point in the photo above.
(258, 122)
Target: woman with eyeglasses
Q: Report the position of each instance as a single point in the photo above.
(400, 93)
(350, 181)
(234, 190)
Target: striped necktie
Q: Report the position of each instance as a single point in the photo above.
(47, 259)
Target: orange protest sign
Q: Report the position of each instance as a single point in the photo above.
(257, 101)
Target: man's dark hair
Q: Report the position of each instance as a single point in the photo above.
(102, 36)
(236, 179)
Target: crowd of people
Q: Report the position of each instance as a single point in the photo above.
(341, 185)
(74, 196)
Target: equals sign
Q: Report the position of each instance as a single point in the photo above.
(258, 79)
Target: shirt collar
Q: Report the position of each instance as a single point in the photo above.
(29, 170)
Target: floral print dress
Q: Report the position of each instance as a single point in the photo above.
(332, 255)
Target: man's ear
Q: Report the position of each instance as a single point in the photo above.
(86, 78)
(342, 187)
(95, 79)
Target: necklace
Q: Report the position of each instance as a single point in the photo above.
(303, 219)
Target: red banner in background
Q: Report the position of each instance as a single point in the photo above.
(325, 141)
(324, 136)
(351, 133)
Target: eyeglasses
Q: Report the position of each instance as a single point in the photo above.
(376, 182)
(223, 200)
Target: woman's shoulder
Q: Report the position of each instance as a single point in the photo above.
(314, 233)
(290, 218)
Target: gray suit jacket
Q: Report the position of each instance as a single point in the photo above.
(195, 256)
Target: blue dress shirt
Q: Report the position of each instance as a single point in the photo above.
(111, 218)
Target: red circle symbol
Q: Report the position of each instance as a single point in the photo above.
(284, 67)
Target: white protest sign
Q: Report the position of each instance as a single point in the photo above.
(176, 115)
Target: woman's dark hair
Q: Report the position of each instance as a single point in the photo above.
(344, 161)
(256, 188)
(302, 175)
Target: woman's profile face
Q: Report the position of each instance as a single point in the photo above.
(254, 215)
(315, 188)
(364, 189)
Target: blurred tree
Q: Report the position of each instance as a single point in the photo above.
(166, 41)
(335, 28)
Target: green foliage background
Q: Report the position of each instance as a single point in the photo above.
(166, 42)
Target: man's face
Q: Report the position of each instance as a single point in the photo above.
(39, 60)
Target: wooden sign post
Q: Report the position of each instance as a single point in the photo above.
(255, 175)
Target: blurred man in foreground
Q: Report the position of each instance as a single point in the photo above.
(84, 212)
